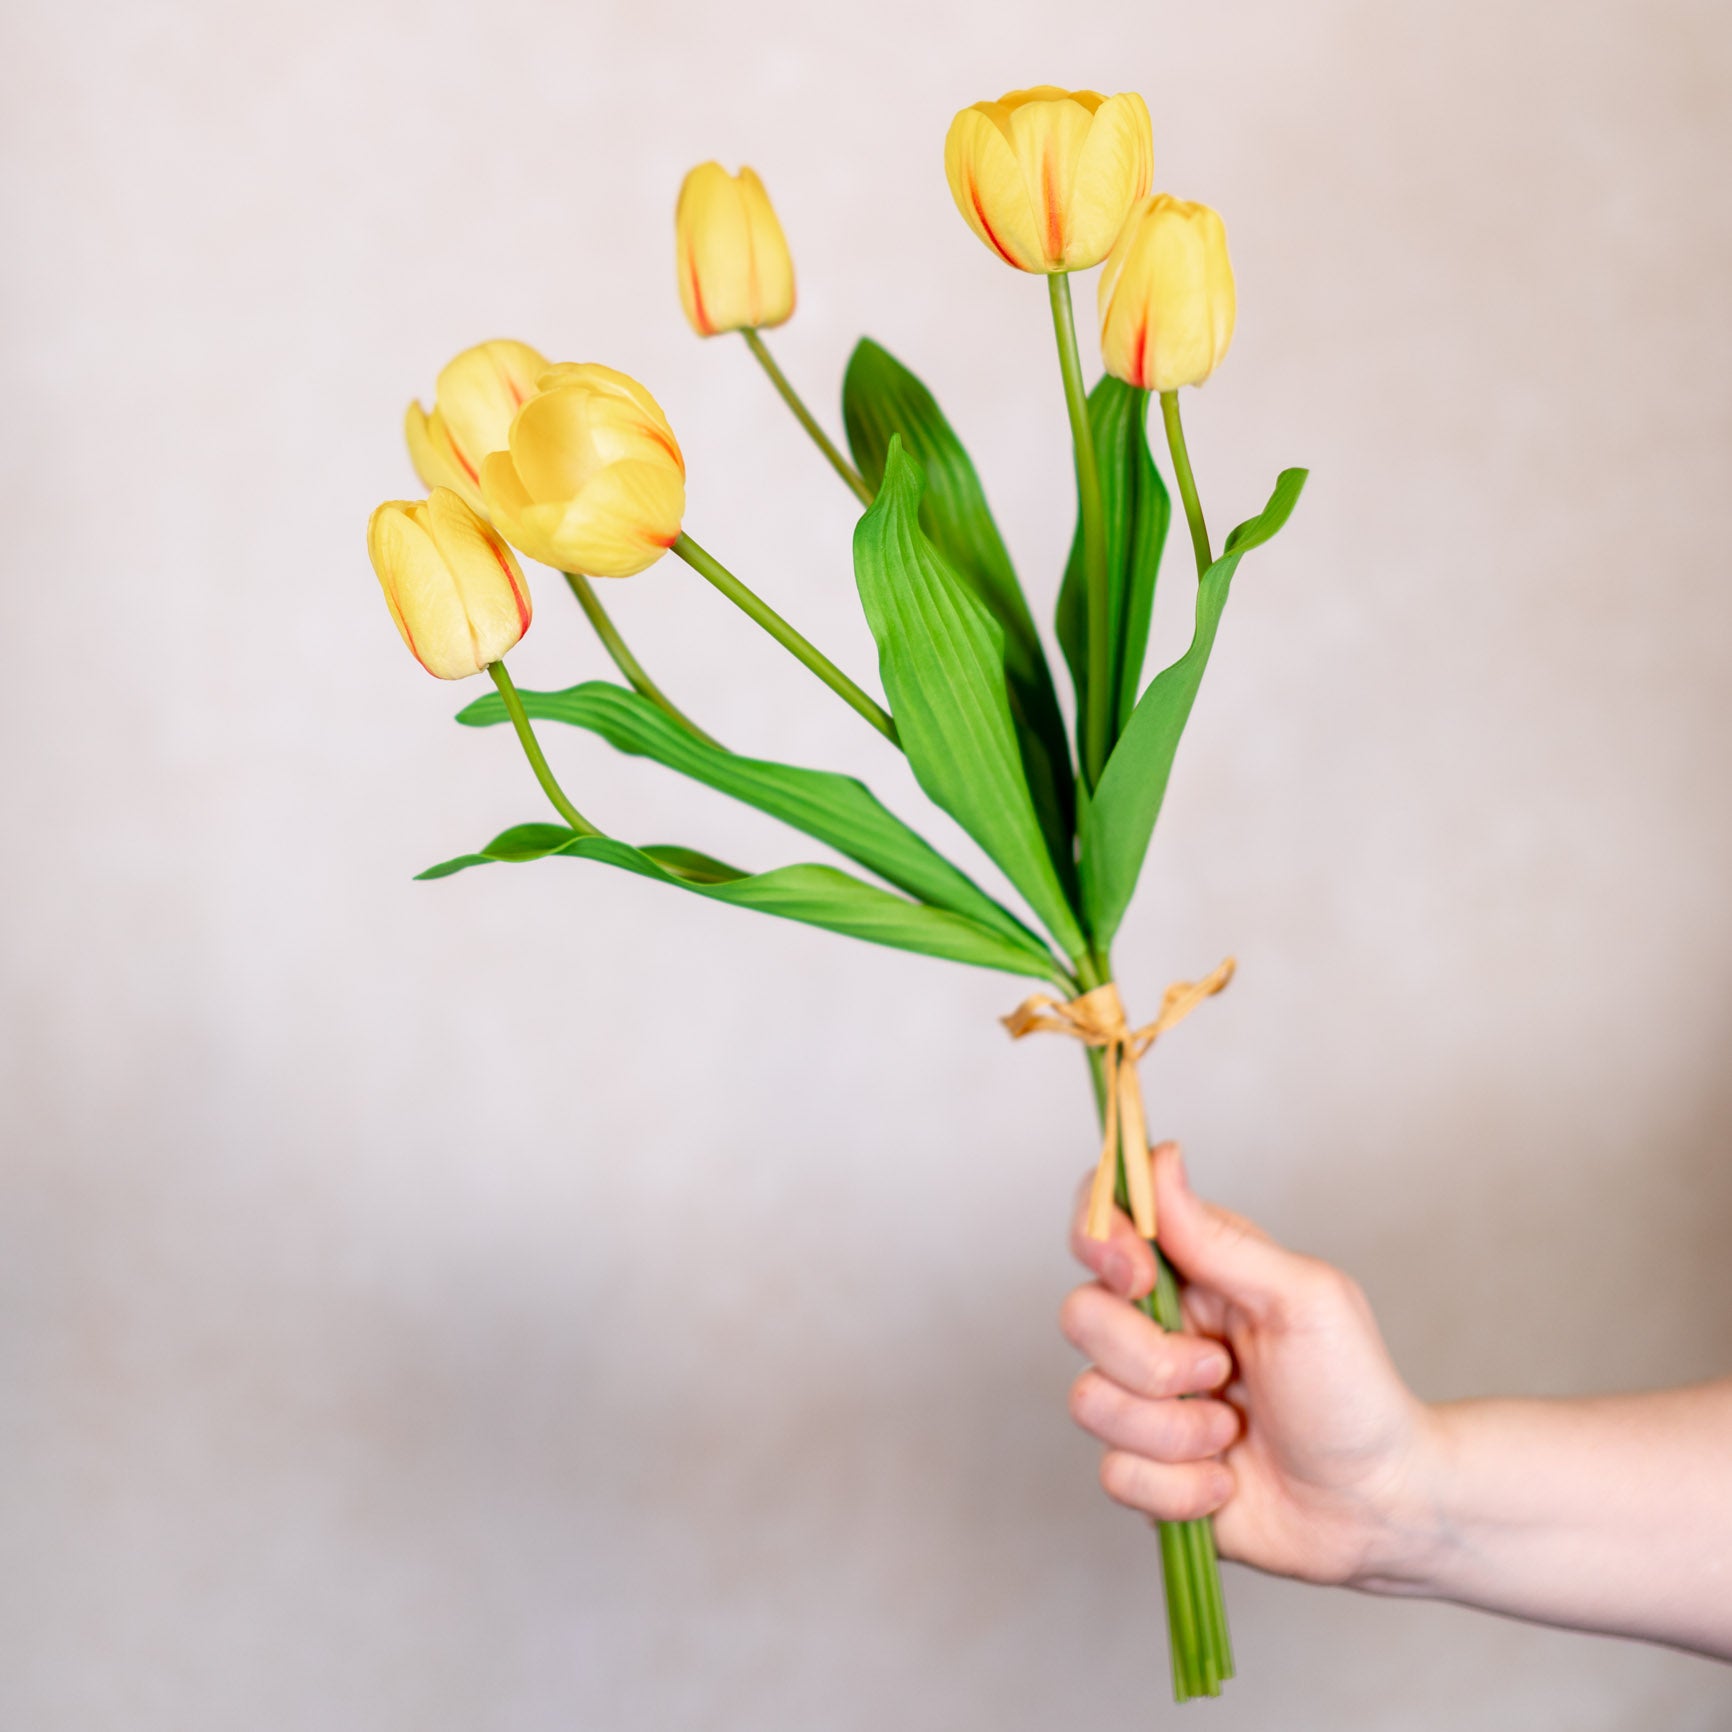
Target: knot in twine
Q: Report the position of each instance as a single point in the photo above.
(1097, 1019)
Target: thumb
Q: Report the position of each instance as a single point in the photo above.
(1212, 1247)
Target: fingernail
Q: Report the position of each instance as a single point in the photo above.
(1116, 1271)
(1212, 1368)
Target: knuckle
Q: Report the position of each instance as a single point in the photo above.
(1161, 1375)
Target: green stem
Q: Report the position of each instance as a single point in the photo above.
(626, 662)
(706, 565)
(1202, 1654)
(1094, 533)
(1187, 481)
(532, 751)
(806, 418)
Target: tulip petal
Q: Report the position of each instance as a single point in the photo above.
(434, 458)
(989, 188)
(478, 394)
(735, 272)
(515, 515)
(420, 590)
(712, 246)
(772, 265)
(1047, 138)
(1166, 296)
(622, 522)
(490, 586)
(1113, 170)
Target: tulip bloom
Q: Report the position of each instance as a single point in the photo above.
(1166, 296)
(453, 587)
(474, 400)
(734, 267)
(591, 479)
(1046, 176)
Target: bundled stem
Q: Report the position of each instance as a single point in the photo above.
(806, 418)
(706, 565)
(1202, 1651)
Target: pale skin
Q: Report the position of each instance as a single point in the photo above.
(1611, 1514)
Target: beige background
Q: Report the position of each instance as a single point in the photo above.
(540, 1301)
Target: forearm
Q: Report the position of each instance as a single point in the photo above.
(1611, 1514)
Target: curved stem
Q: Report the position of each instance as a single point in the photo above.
(1094, 531)
(706, 565)
(532, 751)
(805, 417)
(1186, 480)
(626, 662)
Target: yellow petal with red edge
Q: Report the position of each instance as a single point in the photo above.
(988, 186)
(735, 271)
(489, 581)
(608, 382)
(478, 394)
(1167, 297)
(420, 590)
(431, 453)
(622, 523)
(1047, 137)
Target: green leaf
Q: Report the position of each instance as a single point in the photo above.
(817, 895)
(941, 656)
(1137, 513)
(1121, 817)
(881, 399)
(837, 810)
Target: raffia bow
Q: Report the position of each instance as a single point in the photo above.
(1097, 1019)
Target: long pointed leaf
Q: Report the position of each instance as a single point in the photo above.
(941, 657)
(816, 895)
(881, 399)
(1121, 817)
(838, 810)
(1137, 513)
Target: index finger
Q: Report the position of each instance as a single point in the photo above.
(1122, 1261)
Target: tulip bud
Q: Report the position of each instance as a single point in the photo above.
(474, 400)
(1166, 296)
(1045, 176)
(453, 587)
(734, 268)
(591, 479)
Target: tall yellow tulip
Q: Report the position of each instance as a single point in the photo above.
(591, 478)
(735, 271)
(474, 399)
(1045, 176)
(453, 587)
(1166, 296)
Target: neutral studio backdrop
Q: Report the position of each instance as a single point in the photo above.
(538, 1300)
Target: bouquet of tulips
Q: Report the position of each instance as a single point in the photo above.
(576, 466)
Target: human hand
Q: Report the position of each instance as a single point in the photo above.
(1300, 1437)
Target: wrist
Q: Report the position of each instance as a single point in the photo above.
(1410, 1531)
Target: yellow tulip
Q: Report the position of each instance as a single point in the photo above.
(1045, 176)
(591, 479)
(453, 587)
(734, 267)
(1166, 296)
(474, 400)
